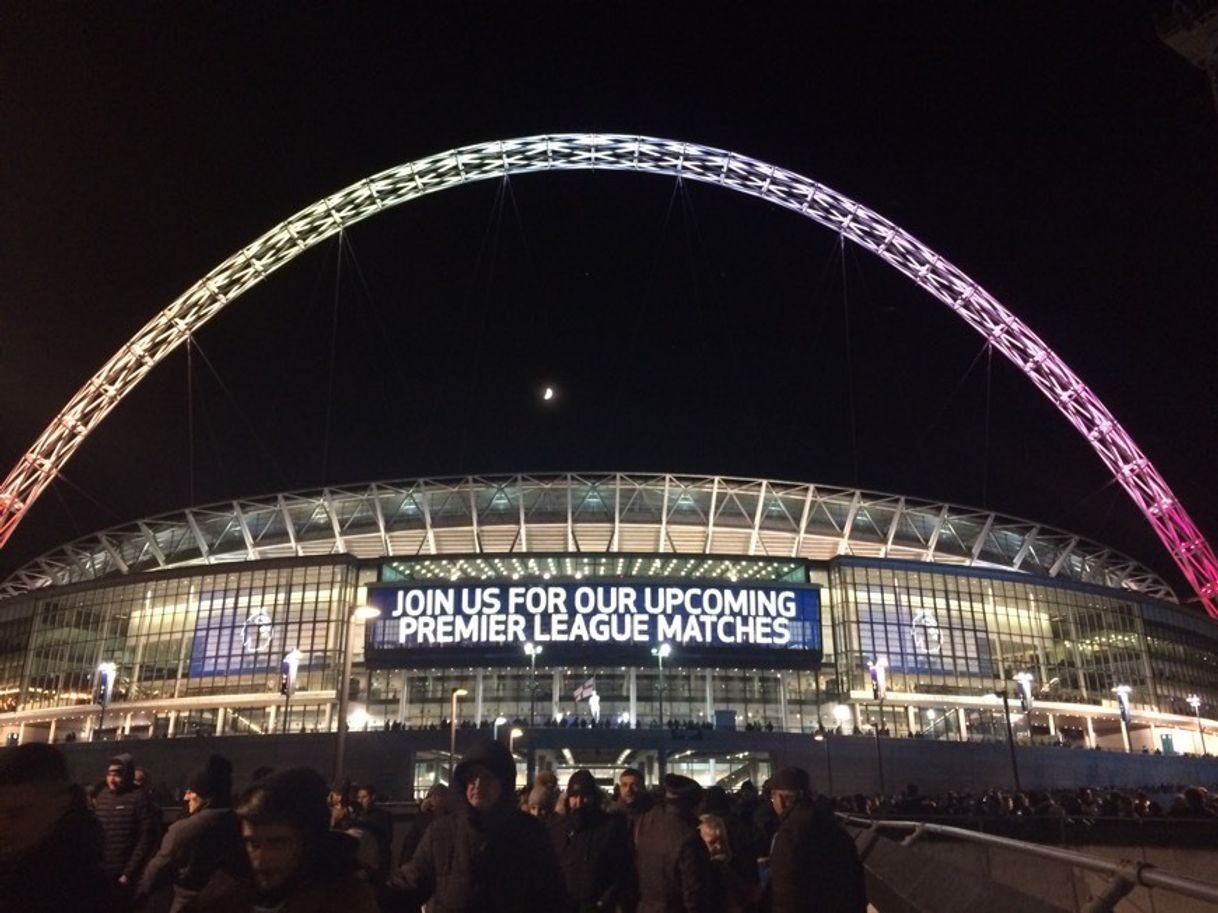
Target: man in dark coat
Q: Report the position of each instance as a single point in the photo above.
(293, 861)
(487, 856)
(814, 864)
(129, 823)
(594, 849)
(378, 822)
(50, 845)
(675, 874)
(196, 846)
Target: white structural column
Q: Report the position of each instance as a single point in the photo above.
(929, 270)
(1090, 733)
(327, 716)
(555, 694)
(782, 702)
(404, 698)
(51, 731)
(21, 733)
(173, 723)
(220, 719)
(478, 682)
(632, 690)
(710, 697)
(911, 718)
(272, 717)
(962, 722)
(1052, 718)
(127, 725)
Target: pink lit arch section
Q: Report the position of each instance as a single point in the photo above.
(612, 152)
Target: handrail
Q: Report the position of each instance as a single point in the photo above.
(1132, 873)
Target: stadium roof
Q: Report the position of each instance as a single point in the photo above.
(588, 513)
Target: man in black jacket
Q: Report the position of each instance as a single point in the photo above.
(50, 843)
(675, 874)
(487, 856)
(129, 824)
(594, 848)
(814, 864)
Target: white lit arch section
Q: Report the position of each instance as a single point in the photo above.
(614, 152)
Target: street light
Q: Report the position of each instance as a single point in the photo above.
(1006, 715)
(1023, 683)
(105, 688)
(1195, 702)
(452, 729)
(660, 652)
(533, 651)
(1122, 692)
(287, 681)
(512, 737)
(356, 613)
(879, 690)
(499, 721)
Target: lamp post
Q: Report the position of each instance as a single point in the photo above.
(356, 613)
(452, 730)
(499, 721)
(533, 651)
(879, 690)
(287, 681)
(660, 653)
(1195, 702)
(1006, 714)
(512, 737)
(1122, 692)
(105, 688)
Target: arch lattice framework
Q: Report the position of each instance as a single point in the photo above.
(612, 152)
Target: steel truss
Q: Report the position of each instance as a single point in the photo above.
(547, 519)
(613, 152)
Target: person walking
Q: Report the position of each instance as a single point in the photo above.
(594, 849)
(814, 864)
(487, 856)
(293, 862)
(195, 847)
(129, 825)
(674, 867)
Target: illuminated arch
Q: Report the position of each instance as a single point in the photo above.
(613, 152)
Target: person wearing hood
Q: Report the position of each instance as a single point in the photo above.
(593, 847)
(50, 842)
(129, 824)
(196, 846)
(293, 862)
(675, 874)
(814, 864)
(487, 856)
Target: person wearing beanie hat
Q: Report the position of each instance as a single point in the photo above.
(128, 823)
(196, 846)
(814, 863)
(487, 855)
(293, 860)
(674, 867)
(593, 847)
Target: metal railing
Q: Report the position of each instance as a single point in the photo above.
(1123, 875)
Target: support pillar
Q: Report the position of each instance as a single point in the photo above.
(1052, 718)
(271, 716)
(962, 723)
(555, 694)
(51, 732)
(21, 733)
(911, 718)
(478, 682)
(782, 702)
(710, 698)
(327, 716)
(221, 719)
(404, 698)
(1090, 733)
(127, 725)
(632, 689)
(173, 721)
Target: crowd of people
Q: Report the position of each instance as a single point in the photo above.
(289, 843)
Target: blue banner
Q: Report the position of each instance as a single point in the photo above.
(696, 615)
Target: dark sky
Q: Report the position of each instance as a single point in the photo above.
(1059, 154)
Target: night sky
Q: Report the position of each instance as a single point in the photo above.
(1059, 154)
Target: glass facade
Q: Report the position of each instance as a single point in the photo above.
(198, 651)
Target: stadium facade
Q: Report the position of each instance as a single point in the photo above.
(619, 599)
